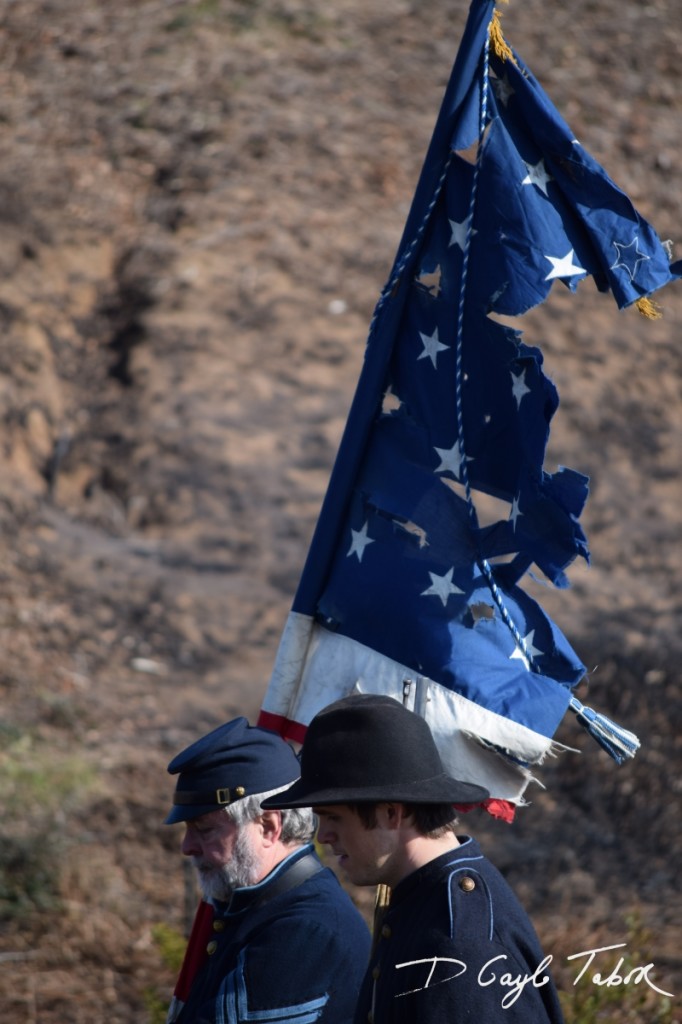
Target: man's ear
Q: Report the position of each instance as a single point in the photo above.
(270, 823)
(390, 815)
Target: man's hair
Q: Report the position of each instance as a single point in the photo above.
(430, 820)
(298, 823)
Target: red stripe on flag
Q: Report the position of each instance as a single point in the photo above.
(285, 727)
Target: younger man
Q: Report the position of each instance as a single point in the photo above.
(455, 944)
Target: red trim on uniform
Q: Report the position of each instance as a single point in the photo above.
(195, 954)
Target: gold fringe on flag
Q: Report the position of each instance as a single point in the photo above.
(502, 50)
(648, 308)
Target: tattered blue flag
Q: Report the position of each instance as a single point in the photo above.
(404, 591)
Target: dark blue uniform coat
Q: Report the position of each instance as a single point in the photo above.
(297, 957)
(455, 947)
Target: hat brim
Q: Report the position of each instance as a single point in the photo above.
(441, 789)
(188, 812)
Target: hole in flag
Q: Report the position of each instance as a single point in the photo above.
(391, 403)
(469, 154)
(430, 281)
(489, 509)
(455, 486)
(503, 559)
(481, 610)
(412, 528)
(504, 319)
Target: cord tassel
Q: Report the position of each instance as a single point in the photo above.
(616, 741)
(501, 48)
(648, 308)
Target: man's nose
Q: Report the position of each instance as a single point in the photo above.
(191, 847)
(323, 834)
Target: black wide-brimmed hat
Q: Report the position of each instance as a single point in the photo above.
(233, 761)
(368, 748)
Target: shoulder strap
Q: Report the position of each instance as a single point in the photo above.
(299, 872)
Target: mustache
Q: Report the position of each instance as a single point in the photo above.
(203, 866)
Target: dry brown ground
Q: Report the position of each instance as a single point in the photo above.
(199, 203)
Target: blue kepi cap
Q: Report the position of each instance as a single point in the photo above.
(233, 761)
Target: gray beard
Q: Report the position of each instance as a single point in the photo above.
(218, 883)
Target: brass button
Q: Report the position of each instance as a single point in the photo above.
(376, 972)
(218, 926)
(386, 932)
(212, 946)
(467, 884)
(239, 792)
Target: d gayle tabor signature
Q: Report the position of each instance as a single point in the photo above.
(437, 970)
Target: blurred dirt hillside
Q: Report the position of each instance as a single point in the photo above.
(200, 201)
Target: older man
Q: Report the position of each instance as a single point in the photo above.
(455, 944)
(277, 939)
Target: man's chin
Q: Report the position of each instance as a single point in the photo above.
(213, 886)
(356, 876)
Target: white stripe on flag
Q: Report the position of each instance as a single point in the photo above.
(314, 667)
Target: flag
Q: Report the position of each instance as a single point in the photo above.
(408, 589)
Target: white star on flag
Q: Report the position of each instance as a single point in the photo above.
(533, 652)
(519, 387)
(563, 266)
(359, 542)
(459, 229)
(537, 175)
(432, 346)
(515, 511)
(630, 257)
(451, 460)
(442, 586)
